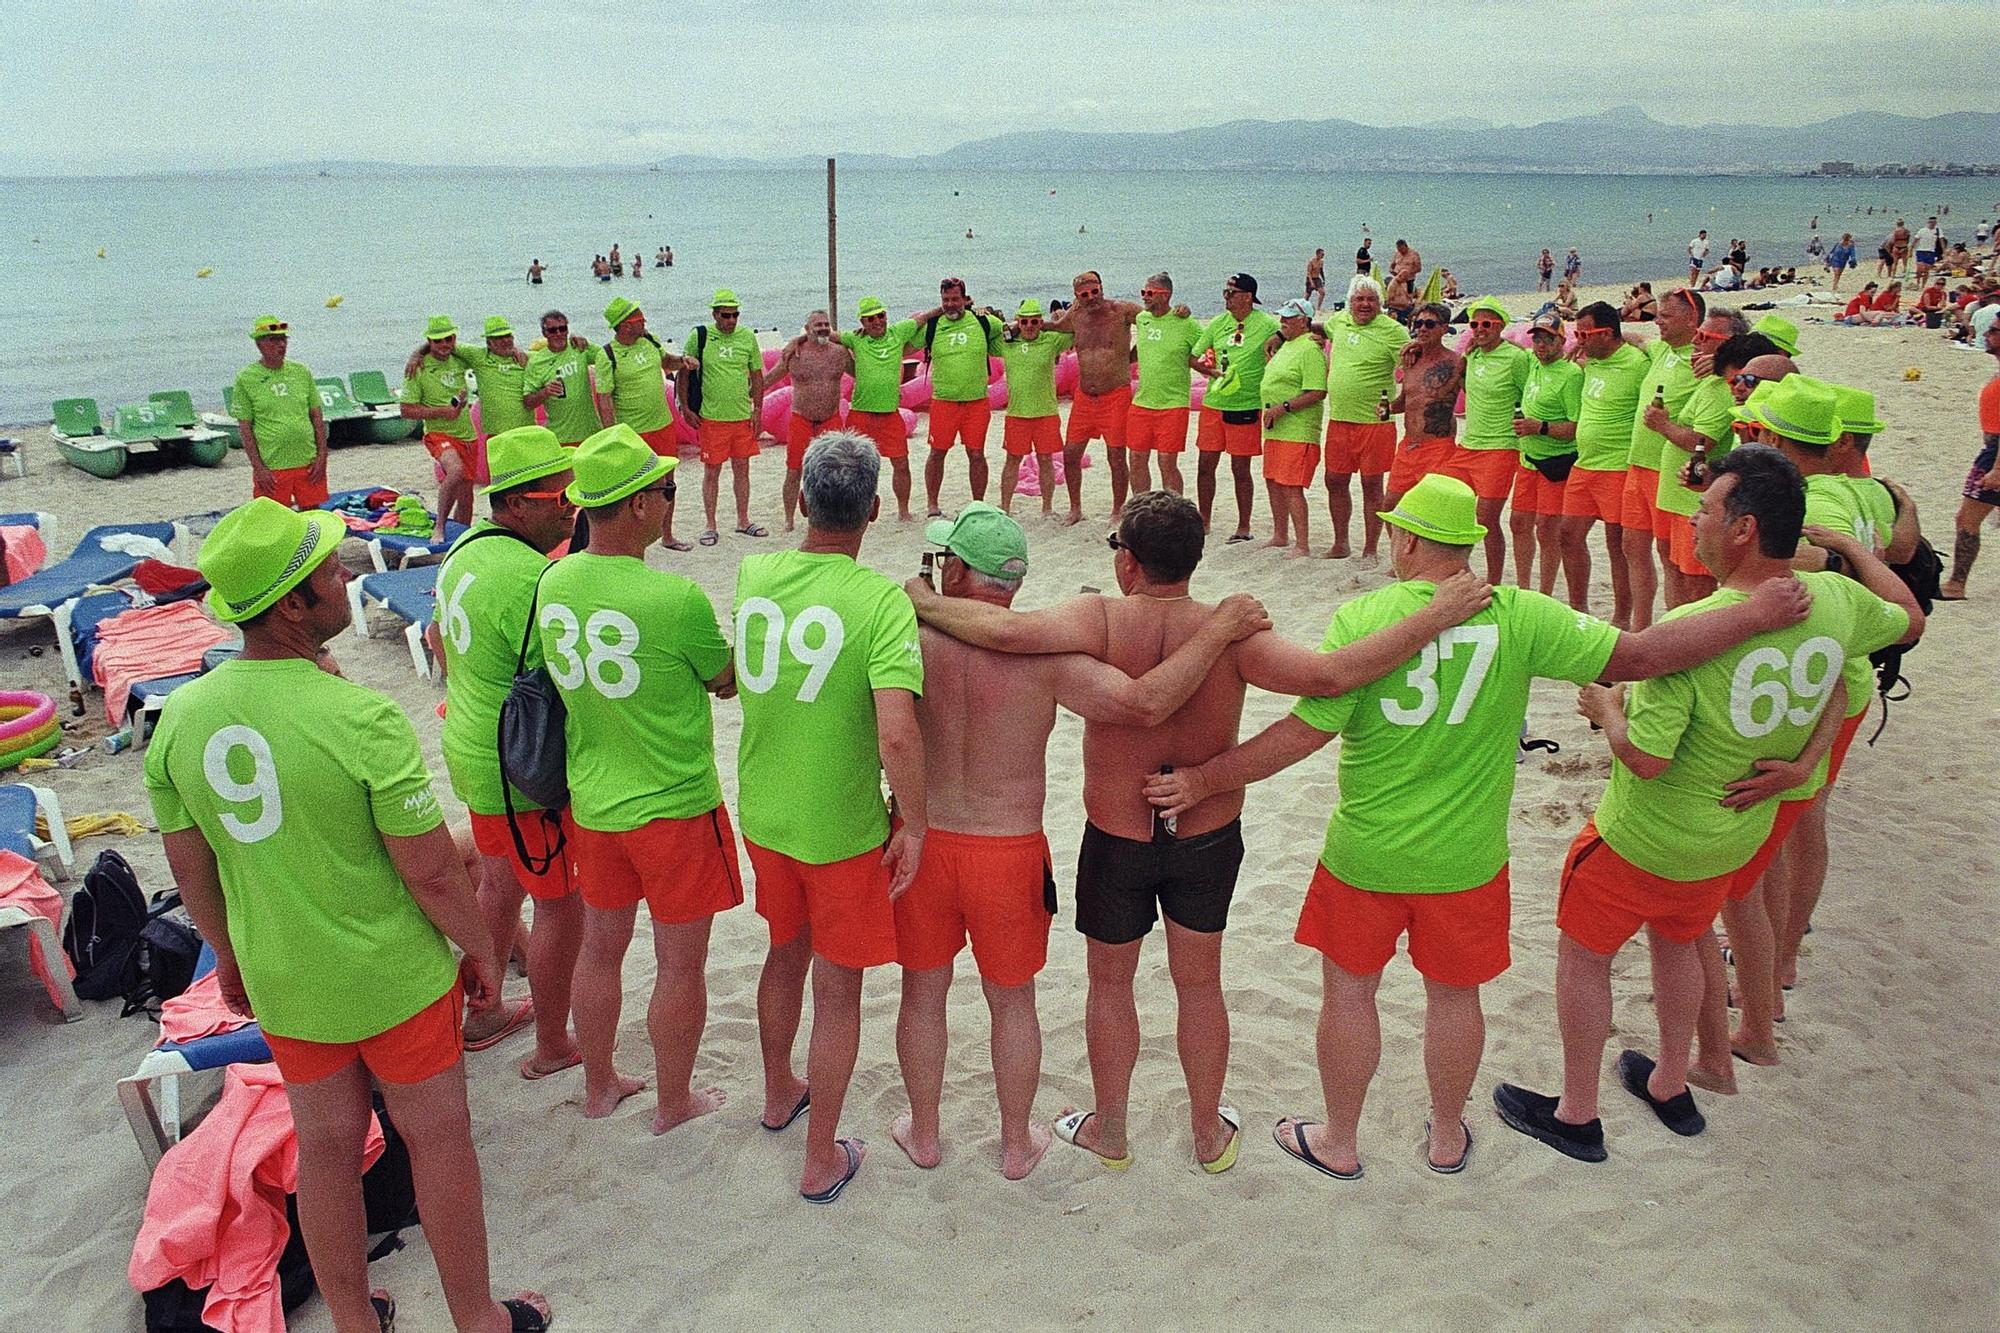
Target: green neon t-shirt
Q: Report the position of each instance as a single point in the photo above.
(1708, 409)
(1165, 343)
(959, 353)
(1669, 372)
(1295, 368)
(1875, 512)
(816, 635)
(278, 405)
(572, 413)
(1239, 357)
(1553, 391)
(1427, 752)
(631, 649)
(726, 362)
(498, 380)
(435, 384)
(1493, 384)
(293, 778)
(1031, 373)
(484, 588)
(634, 378)
(1362, 365)
(878, 366)
(1713, 721)
(1610, 402)
(1834, 501)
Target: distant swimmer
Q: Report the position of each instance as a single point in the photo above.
(1081, 229)
(535, 271)
(617, 262)
(638, 265)
(968, 231)
(1363, 259)
(1406, 263)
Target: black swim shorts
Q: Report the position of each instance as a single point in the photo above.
(1122, 886)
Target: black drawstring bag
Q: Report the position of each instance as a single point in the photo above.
(532, 754)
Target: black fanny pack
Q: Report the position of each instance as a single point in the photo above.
(1555, 469)
(1239, 417)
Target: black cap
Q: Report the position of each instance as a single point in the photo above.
(1243, 282)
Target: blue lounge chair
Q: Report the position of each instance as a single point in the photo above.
(145, 698)
(53, 593)
(410, 595)
(19, 804)
(157, 1127)
(404, 546)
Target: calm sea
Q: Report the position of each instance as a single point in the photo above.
(398, 247)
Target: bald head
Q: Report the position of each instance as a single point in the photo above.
(1771, 366)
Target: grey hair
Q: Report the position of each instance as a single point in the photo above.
(1162, 280)
(998, 583)
(1735, 319)
(839, 479)
(1361, 282)
(1438, 308)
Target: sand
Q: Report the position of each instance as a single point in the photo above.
(1846, 1186)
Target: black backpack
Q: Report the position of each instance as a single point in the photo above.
(169, 948)
(693, 403)
(106, 918)
(533, 747)
(1922, 574)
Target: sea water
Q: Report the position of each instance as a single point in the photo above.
(397, 246)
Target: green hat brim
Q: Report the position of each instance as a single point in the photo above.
(1471, 536)
(1755, 415)
(658, 467)
(324, 532)
(534, 472)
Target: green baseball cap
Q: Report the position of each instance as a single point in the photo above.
(1798, 407)
(870, 305)
(985, 538)
(1440, 508)
(261, 551)
(1784, 334)
(440, 327)
(619, 311)
(521, 455)
(724, 299)
(498, 327)
(613, 464)
(1028, 308)
(270, 326)
(1856, 410)
(1489, 303)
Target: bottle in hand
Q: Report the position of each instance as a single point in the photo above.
(1166, 827)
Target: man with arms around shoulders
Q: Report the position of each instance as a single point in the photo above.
(1667, 382)
(332, 918)
(1102, 331)
(1418, 842)
(1033, 424)
(497, 376)
(1663, 847)
(1362, 347)
(559, 382)
(986, 872)
(1294, 393)
(1231, 352)
(958, 340)
(1545, 432)
(829, 669)
(1612, 369)
(730, 413)
(1496, 371)
(435, 395)
(635, 653)
(815, 363)
(1700, 424)
(875, 410)
(633, 375)
(1164, 341)
(1132, 868)
(1433, 375)
(278, 413)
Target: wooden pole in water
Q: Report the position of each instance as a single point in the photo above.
(832, 251)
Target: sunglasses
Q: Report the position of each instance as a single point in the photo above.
(1426, 323)
(1487, 324)
(1747, 381)
(560, 497)
(1111, 540)
(1153, 291)
(555, 328)
(1710, 336)
(282, 331)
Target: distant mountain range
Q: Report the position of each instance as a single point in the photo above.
(1621, 141)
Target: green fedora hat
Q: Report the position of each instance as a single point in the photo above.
(613, 464)
(724, 299)
(498, 327)
(1030, 308)
(261, 551)
(1441, 509)
(521, 455)
(870, 305)
(1784, 334)
(983, 537)
(619, 311)
(269, 326)
(440, 327)
(1492, 304)
(1797, 407)
(1856, 410)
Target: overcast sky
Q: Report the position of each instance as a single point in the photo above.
(202, 84)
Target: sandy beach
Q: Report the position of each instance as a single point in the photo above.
(1844, 1187)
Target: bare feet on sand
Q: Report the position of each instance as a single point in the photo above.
(539, 1065)
(923, 1149)
(1295, 553)
(693, 1104)
(1074, 517)
(1721, 1081)
(601, 1102)
(1016, 1163)
(1340, 551)
(1753, 1052)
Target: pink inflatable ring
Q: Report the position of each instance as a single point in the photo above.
(23, 711)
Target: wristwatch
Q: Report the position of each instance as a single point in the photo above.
(1545, 428)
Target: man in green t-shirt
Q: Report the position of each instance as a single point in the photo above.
(484, 589)
(634, 374)
(1418, 842)
(1032, 425)
(435, 393)
(1231, 353)
(559, 381)
(875, 409)
(829, 670)
(1363, 346)
(308, 845)
(497, 376)
(1595, 489)
(1662, 848)
(1668, 384)
(1164, 340)
(728, 412)
(635, 652)
(957, 340)
(1293, 392)
(278, 413)
(1487, 456)
(1545, 437)
(1701, 423)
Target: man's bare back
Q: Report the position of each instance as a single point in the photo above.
(1431, 383)
(816, 368)
(985, 718)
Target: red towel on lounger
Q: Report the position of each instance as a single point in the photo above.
(148, 643)
(22, 885)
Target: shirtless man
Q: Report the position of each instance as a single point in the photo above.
(1433, 374)
(815, 362)
(1103, 333)
(986, 872)
(1406, 264)
(1316, 278)
(1131, 868)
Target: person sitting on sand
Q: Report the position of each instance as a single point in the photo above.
(1857, 306)
(1930, 303)
(1565, 302)
(1640, 304)
(1447, 285)
(1399, 298)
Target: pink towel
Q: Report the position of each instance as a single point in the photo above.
(199, 1011)
(22, 885)
(148, 643)
(215, 1212)
(25, 552)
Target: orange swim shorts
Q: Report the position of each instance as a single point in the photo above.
(724, 440)
(436, 442)
(1022, 436)
(1595, 494)
(846, 903)
(1415, 460)
(1457, 939)
(1640, 508)
(1290, 463)
(998, 891)
(1238, 434)
(665, 441)
(1787, 819)
(1099, 415)
(800, 434)
(422, 1046)
(1489, 472)
(891, 436)
(1605, 899)
(293, 486)
(1535, 493)
(682, 869)
(1367, 447)
(960, 423)
(1680, 545)
(1160, 430)
(492, 837)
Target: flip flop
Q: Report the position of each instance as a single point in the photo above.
(753, 530)
(521, 1017)
(832, 1192)
(677, 545)
(1463, 1157)
(1300, 1151)
(1234, 538)
(1229, 1117)
(535, 1076)
(385, 1310)
(710, 537)
(805, 1103)
(1066, 1129)
(1677, 1113)
(525, 1318)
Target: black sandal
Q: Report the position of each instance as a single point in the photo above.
(385, 1311)
(526, 1318)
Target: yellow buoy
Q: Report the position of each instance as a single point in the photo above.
(100, 252)
(1913, 374)
(203, 272)
(333, 301)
